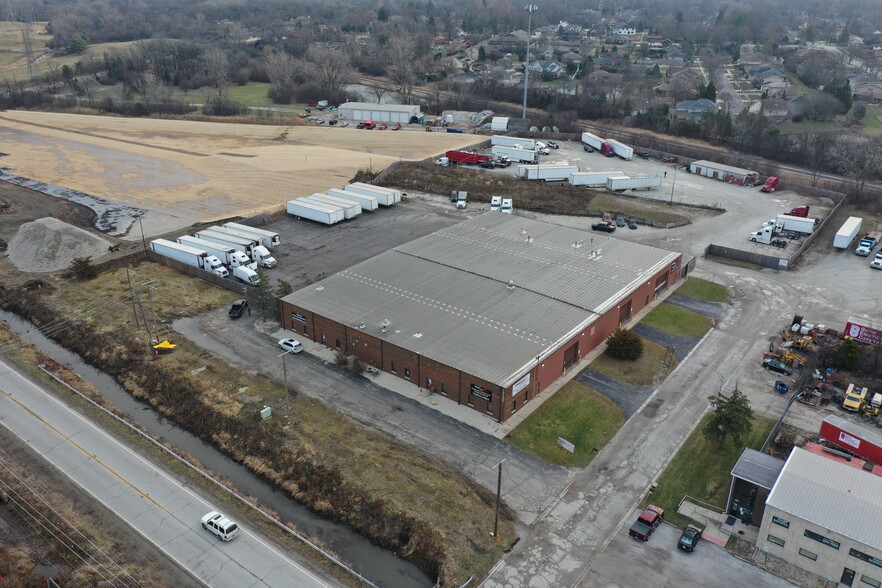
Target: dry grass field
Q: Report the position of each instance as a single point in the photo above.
(201, 171)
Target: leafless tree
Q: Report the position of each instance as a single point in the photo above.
(379, 91)
(282, 70)
(814, 148)
(331, 70)
(859, 158)
(215, 68)
(404, 71)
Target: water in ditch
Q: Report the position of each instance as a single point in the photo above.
(378, 565)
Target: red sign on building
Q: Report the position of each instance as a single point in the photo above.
(864, 331)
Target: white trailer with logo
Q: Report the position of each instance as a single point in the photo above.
(593, 178)
(191, 256)
(503, 141)
(550, 173)
(367, 202)
(622, 183)
(315, 211)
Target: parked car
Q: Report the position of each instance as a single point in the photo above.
(290, 345)
(777, 366)
(620, 221)
(502, 161)
(220, 526)
(689, 539)
(602, 226)
(669, 159)
(553, 145)
(333, 121)
(632, 224)
(238, 309)
(781, 387)
(545, 151)
(360, 125)
(643, 154)
(382, 127)
(607, 218)
(588, 148)
(344, 124)
(397, 127)
(488, 164)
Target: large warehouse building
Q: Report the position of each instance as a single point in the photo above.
(488, 312)
(401, 113)
(824, 515)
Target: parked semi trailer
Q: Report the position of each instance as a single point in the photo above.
(270, 239)
(252, 246)
(315, 212)
(549, 173)
(368, 203)
(592, 140)
(621, 149)
(227, 254)
(504, 141)
(785, 222)
(593, 178)
(350, 209)
(846, 234)
(190, 256)
(384, 196)
(464, 158)
(622, 183)
(515, 154)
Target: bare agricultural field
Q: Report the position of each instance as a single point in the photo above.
(193, 171)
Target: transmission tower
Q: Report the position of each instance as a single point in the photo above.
(25, 17)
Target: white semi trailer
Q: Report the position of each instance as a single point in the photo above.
(189, 255)
(593, 178)
(368, 203)
(315, 211)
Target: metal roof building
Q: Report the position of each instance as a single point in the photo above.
(379, 112)
(497, 299)
(826, 517)
(725, 173)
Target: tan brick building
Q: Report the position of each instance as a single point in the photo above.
(488, 312)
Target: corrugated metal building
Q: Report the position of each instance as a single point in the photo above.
(379, 112)
(724, 173)
(826, 517)
(488, 312)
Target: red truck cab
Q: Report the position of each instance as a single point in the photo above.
(800, 211)
(647, 522)
(771, 184)
(606, 149)
(370, 125)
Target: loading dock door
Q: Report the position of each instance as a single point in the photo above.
(571, 355)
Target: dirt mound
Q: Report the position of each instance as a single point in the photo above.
(48, 244)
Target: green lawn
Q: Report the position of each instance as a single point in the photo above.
(701, 471)
(252, 94)
(577, 413)
(97, 51)
(703, 290)
(643, 372)
(677, 320)
(872, 121)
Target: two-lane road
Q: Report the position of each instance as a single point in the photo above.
(154, 504)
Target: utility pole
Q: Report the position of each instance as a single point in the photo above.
(673, 183)
(132, 294)
(531, 8)
(498, 496)
(143, 240)
(150, 289)
(285, 377)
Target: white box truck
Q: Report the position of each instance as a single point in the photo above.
(593, 178)
(846, 234)
(228, 255)
(622, 183)
(368, 203)
(259, 253)
(503, 141)
(320, 213)
(592, 141)
(515, 154)
(785, 222)
(621, 149)
(270, 239)
(383, 197)
(551, 173)
(190, 256)
(350, 209)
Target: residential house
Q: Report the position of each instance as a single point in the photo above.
(774, 109)
(775, 88)
(753, 60)
(602, 61)
(625, 31)
(467, 78)
(797, 105)
(568, 88)
(693, 110)
(570, 57)
(867, 90)
(546, 69)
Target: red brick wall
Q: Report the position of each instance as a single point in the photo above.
(304, 329)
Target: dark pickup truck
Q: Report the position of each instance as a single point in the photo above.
(647, 522)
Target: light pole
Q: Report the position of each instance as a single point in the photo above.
(673, 183)
(531, 8)
(285, 377)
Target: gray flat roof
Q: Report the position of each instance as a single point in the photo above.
(726, 168)
(379, 107)
(447, 295)
(831, 495)
(758, 468)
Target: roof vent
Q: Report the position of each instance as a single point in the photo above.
(360, 326)
(319, 288)
(417, 335)
(510, 285)
(386, 323)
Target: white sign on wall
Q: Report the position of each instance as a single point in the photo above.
(520, 384)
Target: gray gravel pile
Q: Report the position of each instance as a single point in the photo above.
(48, 244)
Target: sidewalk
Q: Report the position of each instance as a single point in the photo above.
(718, 527)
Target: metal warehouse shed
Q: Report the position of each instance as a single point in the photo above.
(724, 173)
(401, 113)
(488, 312)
